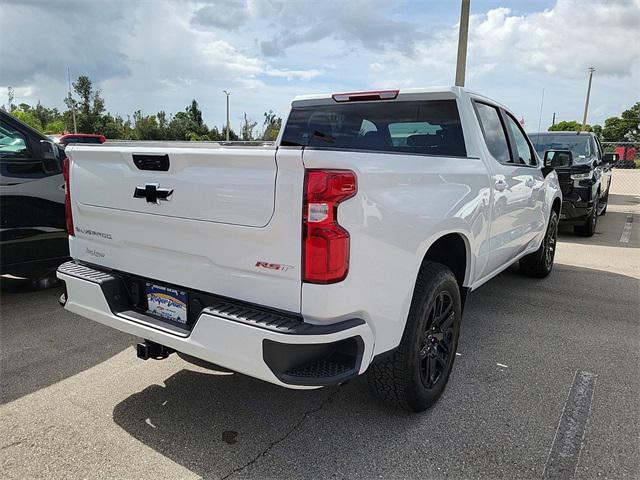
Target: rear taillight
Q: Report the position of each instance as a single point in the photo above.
(325, 243)
(66, 173)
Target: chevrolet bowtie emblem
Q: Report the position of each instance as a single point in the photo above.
(153, 193)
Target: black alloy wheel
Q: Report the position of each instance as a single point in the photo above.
(550, 241)
(437, 342)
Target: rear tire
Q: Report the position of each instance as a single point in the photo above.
(540, 263)
(414, 376)
(589, 226)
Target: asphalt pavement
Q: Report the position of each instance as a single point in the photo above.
(546, 367)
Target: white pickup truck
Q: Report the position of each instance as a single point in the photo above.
(347, 247)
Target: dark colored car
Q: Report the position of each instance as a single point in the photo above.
(68, 138)
(33, 234)
(584, 172)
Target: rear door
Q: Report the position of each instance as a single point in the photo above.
(204, 217)
(515, 210)
(523, 155)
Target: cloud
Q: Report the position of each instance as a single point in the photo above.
(367, 23)
(563, 40)
(223, 14)
(292, 74)
(43, 38)
(161, 54)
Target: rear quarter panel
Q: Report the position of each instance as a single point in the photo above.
(404, 204)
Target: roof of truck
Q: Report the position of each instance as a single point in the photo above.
(445, 91)
(562, 132)
(402, 91)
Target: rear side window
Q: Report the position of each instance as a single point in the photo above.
(494, 134)
(523, 149)
(430, 127)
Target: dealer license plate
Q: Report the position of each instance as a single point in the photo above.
(167, 303)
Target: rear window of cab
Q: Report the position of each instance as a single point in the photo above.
(428, 127)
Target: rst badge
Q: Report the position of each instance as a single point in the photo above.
(274, 266)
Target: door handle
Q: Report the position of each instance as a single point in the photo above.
(529, 182)
(501, 185)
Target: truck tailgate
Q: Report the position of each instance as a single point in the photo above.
(216, 220)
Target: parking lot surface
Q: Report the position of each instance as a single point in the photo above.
(76, 402)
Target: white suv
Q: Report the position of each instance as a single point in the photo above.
(347, 247)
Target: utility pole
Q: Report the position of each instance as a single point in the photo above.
(586, 103)
(462, 43)
(553, 122)
(73, 106)
(228, 128)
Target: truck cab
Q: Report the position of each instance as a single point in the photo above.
(584, 175)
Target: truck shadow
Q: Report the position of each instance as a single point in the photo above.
(609, 227)
(218, 425)
(43, 344)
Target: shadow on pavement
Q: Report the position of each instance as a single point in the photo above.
(217, 425)
(609, 227)
(608, 231)
(625, 200)
(42, 343)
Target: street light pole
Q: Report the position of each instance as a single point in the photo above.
(462, 43)
(586, 103)
(228, 128)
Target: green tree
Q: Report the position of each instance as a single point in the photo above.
(195, 114)
(188, 125)
(614, 130)
(272, 125)
(145, 127)
(89, 108)
(246, 133)
(216, 135)
(46, 115)
(27, 116)
(625, 128)
(116, 127)
(180, 126)
(54, 126)
(568, 126)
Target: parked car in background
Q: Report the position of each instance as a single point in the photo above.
(584, 172)
(627, 156)
(69, 138)
(349, 246)
(33, 235)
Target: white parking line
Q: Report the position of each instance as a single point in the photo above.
(626, 231)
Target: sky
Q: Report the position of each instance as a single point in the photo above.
(159, 54)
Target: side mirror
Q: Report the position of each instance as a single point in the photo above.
(558, 158)
(610, 158)
(51, 161)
